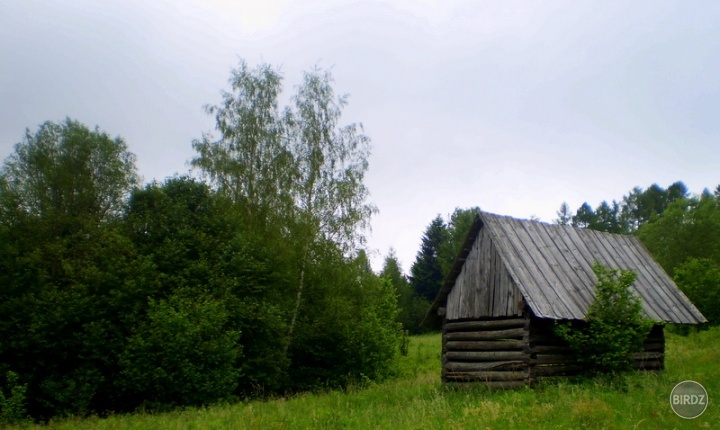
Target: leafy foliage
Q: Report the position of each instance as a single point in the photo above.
(116, 297)
(688, 228)
(68, 174)
(185, 353)
(614, 327)
(699, 279)
(12, 400)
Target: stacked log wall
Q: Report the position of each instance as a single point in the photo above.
(550, 356)
(491, 351)
(653, 355)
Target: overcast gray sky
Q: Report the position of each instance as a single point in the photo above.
(511, 106)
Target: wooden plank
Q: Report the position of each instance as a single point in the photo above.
(486, 264)
(484, 355)
(586, 257)
(510, 259)
(493, 276)
(553, 266)
(578, 268)
(451, 302)
(512, 333)
(478, 289)
(484, 325)
(574, 280)
(507, 345)
(647, 285)
(533, 280)
(499, 306)
(486, 376)
(678, 305)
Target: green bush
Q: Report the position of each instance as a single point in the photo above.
(183, 354)
(352, 335)
(614, 328)
(699, 279)
(12, 400)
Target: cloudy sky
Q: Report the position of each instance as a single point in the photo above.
(511, 106)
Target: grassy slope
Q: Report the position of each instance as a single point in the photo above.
(417, 400)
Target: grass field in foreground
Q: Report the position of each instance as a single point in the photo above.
(417, 400)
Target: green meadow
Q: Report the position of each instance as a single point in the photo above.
(415, 399)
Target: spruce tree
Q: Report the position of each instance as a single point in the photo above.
(426, 272)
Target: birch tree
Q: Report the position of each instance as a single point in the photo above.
(301, 166)
(330, 165)
(250, 161)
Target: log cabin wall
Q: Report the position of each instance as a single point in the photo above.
(490, 351)
(515, 351)
(653, 355)
(551, 357)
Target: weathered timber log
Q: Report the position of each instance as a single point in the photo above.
(648, 356)
(441, 312)
(484, 345)
(552, 359)
(484, 355)
(486, 376)
(485, 325)
(513, 361)
(550, 349)
(513, 333)
(502, 361)
(560, 369)
(455, 366)
(487, 365)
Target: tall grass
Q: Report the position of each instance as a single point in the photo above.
(416, 399)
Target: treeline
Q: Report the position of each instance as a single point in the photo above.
(626, 216)
(249, 282)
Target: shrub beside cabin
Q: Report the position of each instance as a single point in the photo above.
(514, 278)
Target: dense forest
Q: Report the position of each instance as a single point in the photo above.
(249, 278)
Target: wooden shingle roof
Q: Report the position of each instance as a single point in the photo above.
(552, 267)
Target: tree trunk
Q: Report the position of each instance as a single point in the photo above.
(298, 299)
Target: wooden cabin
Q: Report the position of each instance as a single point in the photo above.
(514, 278)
